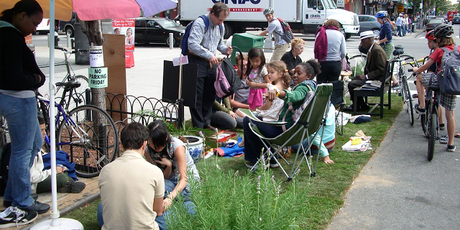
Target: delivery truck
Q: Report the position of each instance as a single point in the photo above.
(304, 16)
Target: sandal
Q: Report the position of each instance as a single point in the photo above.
(457, 135)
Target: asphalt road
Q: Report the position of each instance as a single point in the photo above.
(399, 188)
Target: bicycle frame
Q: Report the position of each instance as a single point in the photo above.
(69, 121)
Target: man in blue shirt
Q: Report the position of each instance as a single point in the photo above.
(202, 46)
(385, 36)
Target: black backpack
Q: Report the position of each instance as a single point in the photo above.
(5, 153)
(227, 79)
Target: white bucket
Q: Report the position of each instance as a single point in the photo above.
(96, 56)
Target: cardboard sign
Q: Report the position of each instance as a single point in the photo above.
(97, 78)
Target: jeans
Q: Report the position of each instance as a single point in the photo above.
(399, 31)
(330, 71)
(253, 145)
(26, 141)
(161, 221)
(223, 120)
(188, 203)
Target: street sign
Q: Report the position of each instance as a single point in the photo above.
(97, 78)
(340, 3)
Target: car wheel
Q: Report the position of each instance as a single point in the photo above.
(69, 31)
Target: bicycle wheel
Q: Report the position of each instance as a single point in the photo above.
(424, 118)
(432, 130)
(408, 101)
(90, 138)
(83, 83)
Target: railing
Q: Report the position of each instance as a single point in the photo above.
(126, 108)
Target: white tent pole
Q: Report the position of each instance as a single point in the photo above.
(54, 211)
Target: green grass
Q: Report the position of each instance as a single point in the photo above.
(228, 199)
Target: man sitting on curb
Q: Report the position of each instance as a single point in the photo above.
(374, 69)
(132, 189)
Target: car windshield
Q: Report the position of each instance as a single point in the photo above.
(167, 23)
(435, 21)
(328, 4)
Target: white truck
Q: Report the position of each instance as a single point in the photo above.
(304, 16)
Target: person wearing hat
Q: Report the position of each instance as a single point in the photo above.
(374, 69)
(276, 29)
(385, 35)
(399, 24)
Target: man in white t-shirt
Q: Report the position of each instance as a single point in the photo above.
(132, 189)
(276, 29)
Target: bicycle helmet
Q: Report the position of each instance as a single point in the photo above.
(269, 10)
(430, 35)
(443, 31)
(381, 14)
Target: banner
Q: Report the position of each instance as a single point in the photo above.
(125, 27)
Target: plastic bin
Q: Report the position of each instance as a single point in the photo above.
(246, 41)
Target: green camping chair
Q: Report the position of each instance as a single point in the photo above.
(309, 122)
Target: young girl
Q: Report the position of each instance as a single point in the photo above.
(444, 37)
(171, 156)
(280, 79)
(257, 77)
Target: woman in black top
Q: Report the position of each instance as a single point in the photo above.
(20, 77)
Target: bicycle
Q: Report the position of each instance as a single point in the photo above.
(430, 120)
(404, 91)
(70, 75)
(87, 133)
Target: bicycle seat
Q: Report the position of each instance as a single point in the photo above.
(399, 47)
(69, 85)
(397, 52)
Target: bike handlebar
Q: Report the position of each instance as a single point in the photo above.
(70, 52)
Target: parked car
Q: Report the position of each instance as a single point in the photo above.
(369, 22)
(68, 26)
(428, 18)
(456, 20)
(43, 27)
(156, 30)
(433, 23)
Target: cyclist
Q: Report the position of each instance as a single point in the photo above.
(423, 80)
(443, 34)
(385, 37)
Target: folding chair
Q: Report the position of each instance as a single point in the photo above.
(311, 119)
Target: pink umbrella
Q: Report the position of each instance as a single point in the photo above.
(99, 9)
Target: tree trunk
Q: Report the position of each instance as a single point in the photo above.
(93, 31)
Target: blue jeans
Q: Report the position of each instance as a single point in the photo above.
(399, 31)
(252, 150)
(188, 203)
(159, 219)
(26, 141)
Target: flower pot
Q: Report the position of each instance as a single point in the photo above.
(194, 146)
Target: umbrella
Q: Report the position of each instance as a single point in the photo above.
(87, 10)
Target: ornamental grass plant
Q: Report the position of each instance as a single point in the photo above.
(231, 197)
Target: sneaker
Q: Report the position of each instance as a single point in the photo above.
(72, 187)
(443, 139)
(7, 203)
(251, 164)
(442, 126)
(419, 110)
(274, 164)
(38, 207)
(451, 148)
(14, 217)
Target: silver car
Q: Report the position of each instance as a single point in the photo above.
(369, 22)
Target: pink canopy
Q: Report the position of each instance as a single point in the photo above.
(88, 10)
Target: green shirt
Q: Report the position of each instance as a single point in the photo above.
(296, 96)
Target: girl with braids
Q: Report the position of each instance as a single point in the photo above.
(303, 83)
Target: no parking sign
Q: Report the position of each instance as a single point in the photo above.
(97, 77)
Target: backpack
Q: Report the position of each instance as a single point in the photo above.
(5, 153)
(287, 36)
(227, 79)
(184, 43)
(449, 76)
